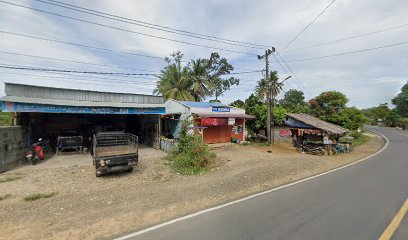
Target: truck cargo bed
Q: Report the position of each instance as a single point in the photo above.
(114, 151)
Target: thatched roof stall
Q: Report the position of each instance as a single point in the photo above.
(305, 121)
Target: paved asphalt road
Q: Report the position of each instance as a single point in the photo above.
(357, 202)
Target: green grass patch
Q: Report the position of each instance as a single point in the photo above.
(9, 179)
(37, 196)
(2, 197)
(158, 177)
(359, 138)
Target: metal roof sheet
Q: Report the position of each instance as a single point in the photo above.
(202, 104)
(30, 91)
(77, 103)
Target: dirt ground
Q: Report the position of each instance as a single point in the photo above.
(86, 207)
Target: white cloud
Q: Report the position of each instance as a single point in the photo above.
(367, 78)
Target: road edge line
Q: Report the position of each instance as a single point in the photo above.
(134, 234)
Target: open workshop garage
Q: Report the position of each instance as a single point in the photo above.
(45, 112)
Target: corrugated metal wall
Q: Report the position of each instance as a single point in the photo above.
(79, 95)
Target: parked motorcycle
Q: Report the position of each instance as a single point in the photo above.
(316, 150)
(36, 153)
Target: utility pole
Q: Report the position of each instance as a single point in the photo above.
(273, 103)
(268, 92)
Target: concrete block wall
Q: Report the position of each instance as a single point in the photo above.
(11, 147)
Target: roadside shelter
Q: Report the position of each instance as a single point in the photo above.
(306, 129)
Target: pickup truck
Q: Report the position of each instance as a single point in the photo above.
(114, 151)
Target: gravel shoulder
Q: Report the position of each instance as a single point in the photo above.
(86, 207)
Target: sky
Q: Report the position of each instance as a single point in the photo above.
(368, 78)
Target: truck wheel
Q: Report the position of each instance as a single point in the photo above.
(98, 174)
(130, 169)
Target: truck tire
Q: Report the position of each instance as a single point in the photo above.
(98, 174)
(130, 169)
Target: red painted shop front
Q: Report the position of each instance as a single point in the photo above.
(218, 130)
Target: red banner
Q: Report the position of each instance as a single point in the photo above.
(214, 121)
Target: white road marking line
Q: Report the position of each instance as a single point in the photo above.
(252, 196)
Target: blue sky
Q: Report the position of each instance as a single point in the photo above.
(367, 78)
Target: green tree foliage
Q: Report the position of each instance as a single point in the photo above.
(201, 78)
(197, 75)
(351, 118)
(331, 107)
(255, 107)
(383, 112)
(294, 102)
(401, 102)
(217, 67)
(261, 90)
(279, 114)
(5, 118)
(328, 105)
(174, 80)
(238, 103)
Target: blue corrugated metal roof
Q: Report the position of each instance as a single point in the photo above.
(202, 104)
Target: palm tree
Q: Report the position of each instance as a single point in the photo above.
(201, 86)
(174, 83)
(261, 89)
(275, 87)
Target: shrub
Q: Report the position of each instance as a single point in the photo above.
(191, 155)
(359, 138)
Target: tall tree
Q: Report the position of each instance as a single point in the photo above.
(254, 107)
(197, 74)
(294, 101)
(216, 68)
(276, 87)
(238, 103)
(261, 89)
(174, 80)
(328, 105)
(352, 118)
(401, 101)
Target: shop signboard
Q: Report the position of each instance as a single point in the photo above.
(214, 121)
(46, 108)
(221, 109)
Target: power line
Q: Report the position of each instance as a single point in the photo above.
(307, 26)
(347, 53)
(127, 30)
(290, 69)
(87, 78)
(79, 45)
(75, 71)
(85, 46)
(72, 80)
(349, 38)
(150, 25)
(71, 61)
(284, 70)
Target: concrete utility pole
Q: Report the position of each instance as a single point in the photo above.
(273, 104)
(268, 92)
